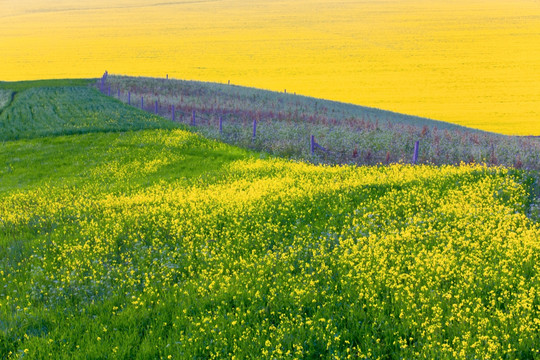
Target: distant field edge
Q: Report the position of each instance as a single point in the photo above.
(27, 84)
(349, 107)
(20, 85)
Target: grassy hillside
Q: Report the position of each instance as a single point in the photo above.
(52, 110)
(351, 134)
(160, 243)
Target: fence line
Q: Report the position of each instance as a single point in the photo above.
(313, 144)
(415, 155)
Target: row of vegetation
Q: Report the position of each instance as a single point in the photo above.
(351, 134)
(49, 110)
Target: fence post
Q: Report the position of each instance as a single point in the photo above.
(415, 155)
(220, 125)
(129, 98)
(312, 145)
(172, 116)
(156, 108)
(142, 102)
(193, 118)
(254, 129)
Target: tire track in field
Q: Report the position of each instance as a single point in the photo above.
(81, 9)
(9, 102)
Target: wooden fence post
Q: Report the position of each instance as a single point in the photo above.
(312, 145)
(415, 155)
(193, 118)
(220, 125)
(254, 129)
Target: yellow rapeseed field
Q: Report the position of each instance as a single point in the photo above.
(474, 63)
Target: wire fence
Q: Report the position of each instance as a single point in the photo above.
(236, 127)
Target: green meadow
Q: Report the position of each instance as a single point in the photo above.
(124, 235)
(35, 110)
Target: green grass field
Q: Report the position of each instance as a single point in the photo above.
(163, 244)
(55, 110)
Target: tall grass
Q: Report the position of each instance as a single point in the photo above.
(352, 134)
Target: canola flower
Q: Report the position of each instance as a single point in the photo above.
(267, 258)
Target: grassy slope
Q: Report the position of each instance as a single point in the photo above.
(161, 243)
(54, 110)
(353, 134)
(142, 254)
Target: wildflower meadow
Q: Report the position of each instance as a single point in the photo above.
(164, 244)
